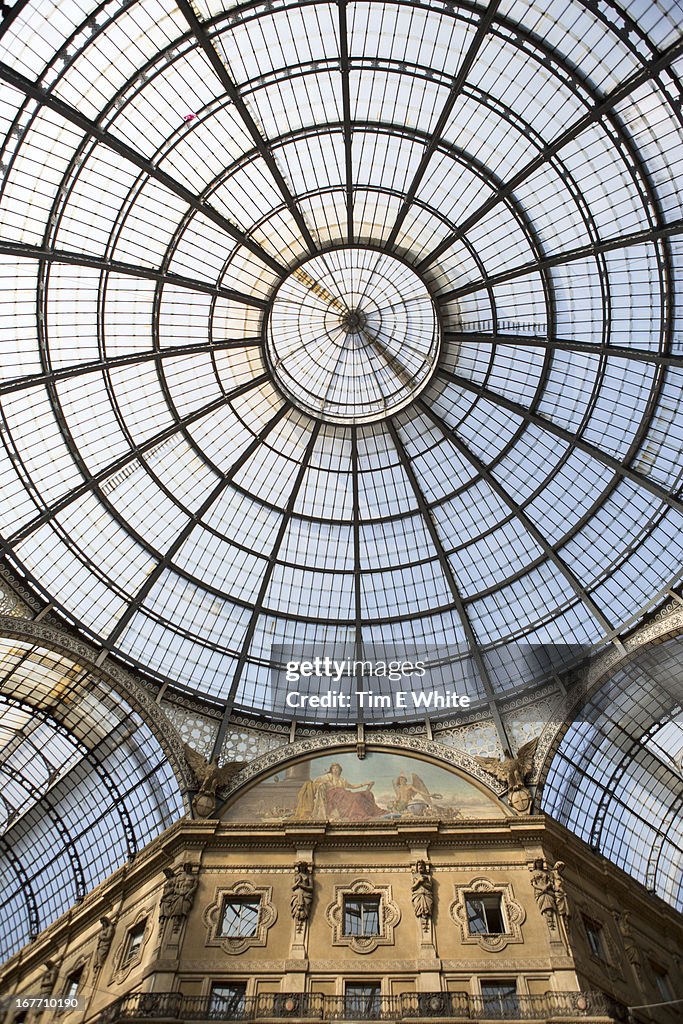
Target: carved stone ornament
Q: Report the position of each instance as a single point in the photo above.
(561, 901)
(210, 778)
(389, 916)
(104, 941)
(520, 800)
(213, 917)
(78, 966)
(123, 965)
(302, 893)
(513, 912)
(550, 894)
(48, 978)
(629, 943)
(422, 892)
(513, 771)
(177, 896)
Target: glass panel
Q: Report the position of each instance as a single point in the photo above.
(362, 1000)
(227, 1000)
(500, 998)
(361, 917)
(240, 918)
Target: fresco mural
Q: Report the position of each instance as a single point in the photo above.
(384, 786)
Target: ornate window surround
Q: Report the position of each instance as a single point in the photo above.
(513, 913)
(267, 916)
(389, 916)
(122, 970)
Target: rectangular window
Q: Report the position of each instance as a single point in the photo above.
(240, 917)
(361, 916)
(594, 936)
(228, 1000)
(662, 982)
(500, 998)
(362, 1000)
(73, 980)
(134, 943)
(484, 914)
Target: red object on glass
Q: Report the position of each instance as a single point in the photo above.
(189, 117)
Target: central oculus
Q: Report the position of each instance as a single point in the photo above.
(352, 335)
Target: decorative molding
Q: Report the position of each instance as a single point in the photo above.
(245, 967)
(513, 913)
(544, 964)
(267, 916)
(10, 602)
(81, 962)
(120, 970)
(376, 742)
(389, 916)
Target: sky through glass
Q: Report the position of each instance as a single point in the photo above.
(334, 324)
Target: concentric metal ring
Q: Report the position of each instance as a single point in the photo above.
(352, 335)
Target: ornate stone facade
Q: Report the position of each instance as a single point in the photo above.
(274, 904)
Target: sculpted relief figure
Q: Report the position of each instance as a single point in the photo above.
(167, 901)
(544, 891)
(210, 778)
(513, 771)
(561, 902)
(629, 944)
(177, 896)
(104, 941)
(302, 893)
(49, 978)
(547, 882)
(422, 892)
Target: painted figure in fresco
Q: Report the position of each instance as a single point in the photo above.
(314, 789)
(329, 798)
(411, 795)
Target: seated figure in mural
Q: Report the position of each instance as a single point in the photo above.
(330, 798)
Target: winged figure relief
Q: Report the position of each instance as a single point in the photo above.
(511, 770)
(208, 773)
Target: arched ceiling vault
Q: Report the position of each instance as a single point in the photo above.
(85, 782)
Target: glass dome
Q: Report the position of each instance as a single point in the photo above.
(341, 324)
(334, 325)
(352, 336)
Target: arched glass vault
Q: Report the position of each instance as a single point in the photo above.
(616, 778)
(341, 324)
(84, 784)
